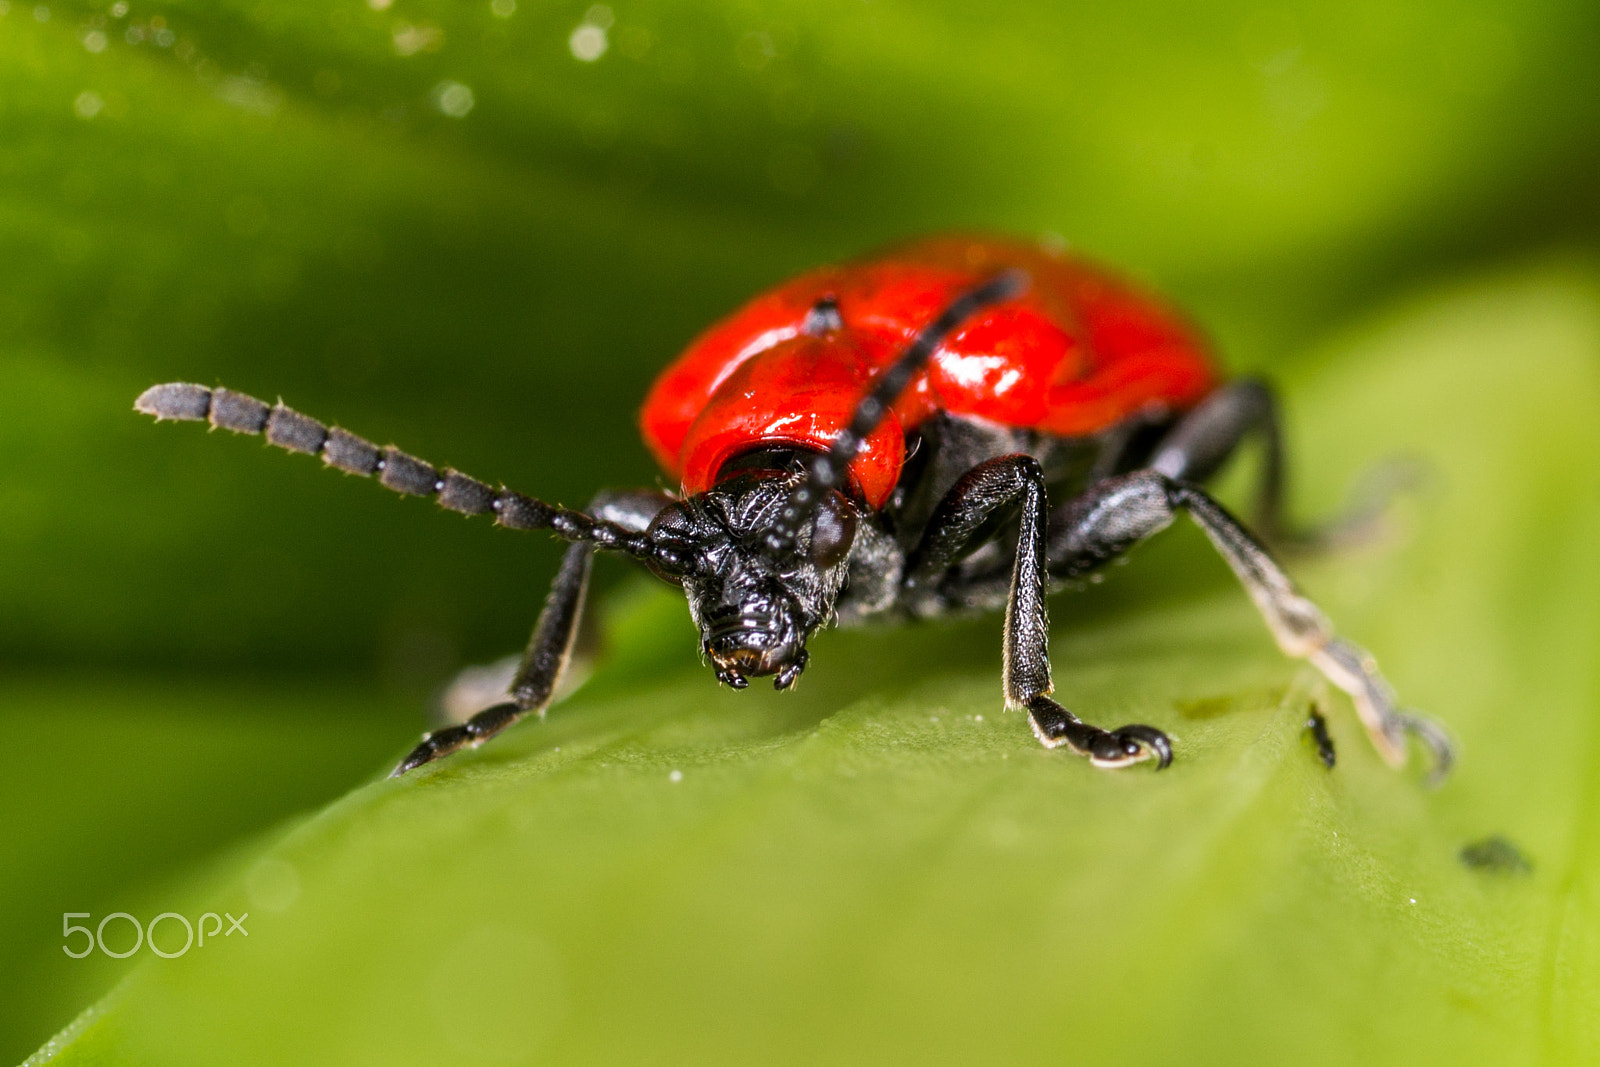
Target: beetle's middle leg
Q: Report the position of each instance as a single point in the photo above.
(1113, 515)
(986, 495)
(550, 648)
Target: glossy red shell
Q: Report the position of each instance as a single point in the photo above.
(1075, 354)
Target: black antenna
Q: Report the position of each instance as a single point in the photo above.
(404, 474)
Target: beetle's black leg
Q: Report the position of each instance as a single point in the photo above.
(550, 648)
(1205, 438)
(992, 491)
(536, 679)
(1111, 517)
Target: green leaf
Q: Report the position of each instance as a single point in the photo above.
(885, 867)
(278, 196)
(127, 781)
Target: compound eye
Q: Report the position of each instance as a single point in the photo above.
(834, 532)
(673, 529)
(673, 518)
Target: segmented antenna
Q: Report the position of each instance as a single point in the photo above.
(828, 470)
(396, 470)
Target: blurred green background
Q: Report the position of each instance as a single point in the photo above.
(478, 229)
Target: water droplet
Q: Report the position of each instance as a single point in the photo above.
(588, 43)
(675, 776)
(41, 14)
(423, 37)
(453, 99)
(88, 104)
(95, 42)
(503, 9)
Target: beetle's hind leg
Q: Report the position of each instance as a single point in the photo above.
(1208, 436)
(550, 649)
(1108, 519)
(991, 491)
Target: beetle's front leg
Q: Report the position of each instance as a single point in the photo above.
(550, 648)
(989, 492)
(536, 679)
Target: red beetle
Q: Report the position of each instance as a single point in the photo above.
(883, 439)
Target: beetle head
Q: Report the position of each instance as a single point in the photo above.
(756, 607)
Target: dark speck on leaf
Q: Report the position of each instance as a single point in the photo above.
(1317, 727)
(1496, 855)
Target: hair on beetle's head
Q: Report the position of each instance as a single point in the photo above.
(756, 606)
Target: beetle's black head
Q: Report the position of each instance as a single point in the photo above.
(756, 605)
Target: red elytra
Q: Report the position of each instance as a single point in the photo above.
(1075, 354)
